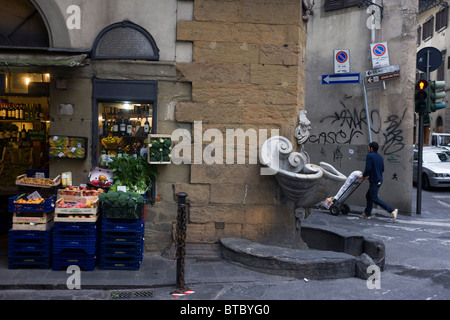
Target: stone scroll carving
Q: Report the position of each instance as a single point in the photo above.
(304, 183)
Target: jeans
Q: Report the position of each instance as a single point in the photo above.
(372, 197)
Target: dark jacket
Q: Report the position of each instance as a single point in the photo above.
(374, 167)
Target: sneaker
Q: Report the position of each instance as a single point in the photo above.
(394, 215)
(364, 216)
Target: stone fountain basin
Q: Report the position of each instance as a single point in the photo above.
(333, 254)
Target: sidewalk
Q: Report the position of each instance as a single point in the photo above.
(221, 279)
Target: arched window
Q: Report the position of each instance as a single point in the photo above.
(439, 125)
(21, 25)
(127, 41)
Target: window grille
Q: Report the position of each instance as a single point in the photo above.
(127, 41)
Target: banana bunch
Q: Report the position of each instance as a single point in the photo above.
(75, 142)
(58, 141)
(76, 153)
(57, 152)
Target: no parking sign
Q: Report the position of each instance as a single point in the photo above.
(380, 55)
(341, 61)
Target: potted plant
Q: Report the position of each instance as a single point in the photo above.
(134, 173)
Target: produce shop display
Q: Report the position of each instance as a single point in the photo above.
(160, 148)
(120, 204)
(136, 174)
(79, 209)
(23, 180)
(100, 177)
(81, 190)
(67, 147)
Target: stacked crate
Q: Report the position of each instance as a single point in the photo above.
(28, 248)
(75, 231)
(122, 240)
(30, 240)
(74, 243)
(34, 216)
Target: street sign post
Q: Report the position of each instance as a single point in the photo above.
(340, 78)
(380, 55)
(429, 57)
(341, 61)
(428, 60)
(383, 70)
(382, 77)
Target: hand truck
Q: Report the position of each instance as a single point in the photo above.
(338, 206)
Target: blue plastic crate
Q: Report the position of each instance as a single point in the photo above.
(122, 225)
(86, 227)
(34, 240)
(34, 248)
(19, 262)
(110, 263)
(127, 251)
(29, 234)
(123, 238)
(47, 206)
(87, 262)
(89, 249)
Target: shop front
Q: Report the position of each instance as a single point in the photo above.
(66, 114)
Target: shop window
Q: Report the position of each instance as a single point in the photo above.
(339, 4)
(419, 35)
(427, 29)
(442, 19)
(439, 125)
(441, 70)
(127, 41)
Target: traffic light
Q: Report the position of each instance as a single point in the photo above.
(421, 97)
(435, 94)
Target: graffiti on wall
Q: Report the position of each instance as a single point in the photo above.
(393, 137)
(347, 125)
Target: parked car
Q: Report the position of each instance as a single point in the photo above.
(435, 167)
(440, 140)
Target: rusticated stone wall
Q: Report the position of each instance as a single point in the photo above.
(248, 72)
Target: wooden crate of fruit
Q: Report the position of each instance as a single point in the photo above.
(71, 193)
(37, 221)
(33, 226)
(84, 209)
(23, 180)
(32, 217)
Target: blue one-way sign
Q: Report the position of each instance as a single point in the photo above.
(340, 78)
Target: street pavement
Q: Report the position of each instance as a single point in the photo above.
(417, 268)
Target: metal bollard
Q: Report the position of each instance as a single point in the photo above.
(181, 242)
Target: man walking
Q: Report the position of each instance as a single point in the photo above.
(374, 172)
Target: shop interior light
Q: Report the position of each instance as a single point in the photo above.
(127, 106)
(27, 81)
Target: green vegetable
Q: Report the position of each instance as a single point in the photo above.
(134, 173)
(121, 199)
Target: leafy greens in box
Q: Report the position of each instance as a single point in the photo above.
(134, 173)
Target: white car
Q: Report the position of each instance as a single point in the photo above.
(441, 140)
(435, 167)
